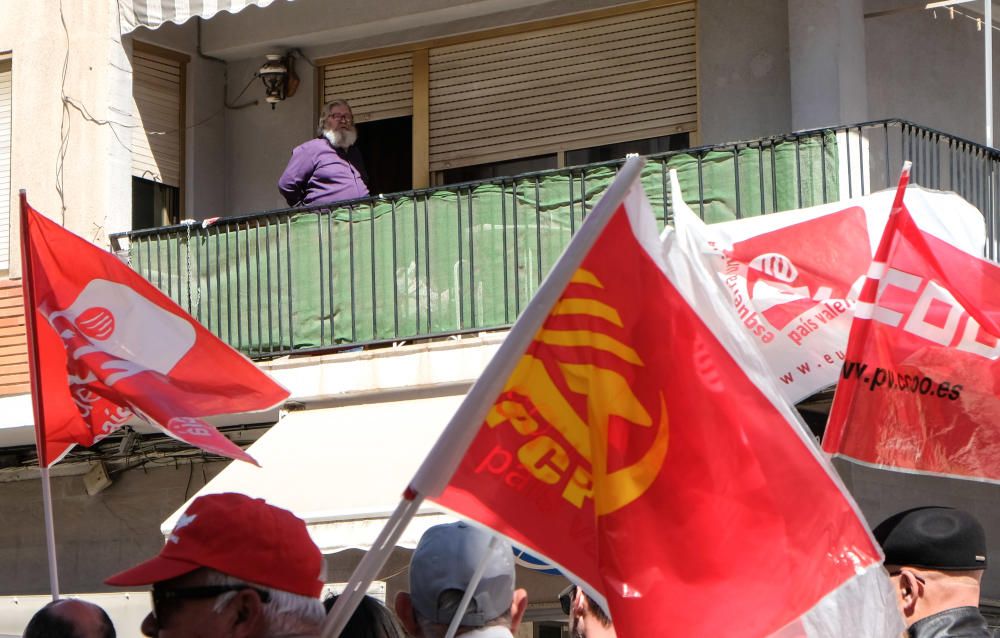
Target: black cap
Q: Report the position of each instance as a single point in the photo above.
(933, 538)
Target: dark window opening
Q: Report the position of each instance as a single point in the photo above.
(154, 204)
(506, 168)
(550, 630)
(618, 150)
(387, 149)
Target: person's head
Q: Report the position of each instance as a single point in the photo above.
(371, 619)
(70, 618)
(587, 619)
(935, 557)
(233, 566)
(441, 568)
(336, 124)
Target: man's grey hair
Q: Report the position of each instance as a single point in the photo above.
(448, 601)
(326, 111)
(286, 614)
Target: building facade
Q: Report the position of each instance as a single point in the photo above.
(130, 115)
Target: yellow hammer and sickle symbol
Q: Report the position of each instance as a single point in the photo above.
(608, 394)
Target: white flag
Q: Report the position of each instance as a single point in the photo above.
(793, 278)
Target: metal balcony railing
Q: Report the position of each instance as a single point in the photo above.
(468, 257)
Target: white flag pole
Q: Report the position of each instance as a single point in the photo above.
(988, 46)
(443, 459)
(470, 589)
(370, 564)
(50, 534)
(30, 303)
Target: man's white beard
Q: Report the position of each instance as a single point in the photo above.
(341, 139)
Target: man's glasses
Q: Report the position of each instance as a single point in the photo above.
(343, 117)
(163, 597)
(566, 599)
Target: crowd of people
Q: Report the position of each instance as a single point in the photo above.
(213, 579)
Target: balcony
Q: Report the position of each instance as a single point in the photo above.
(468, 257)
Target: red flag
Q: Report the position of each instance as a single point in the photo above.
(109, 346)
(793, 277)
(920, 384)
(630, 447)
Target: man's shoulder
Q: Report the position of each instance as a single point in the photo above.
(959, 622)
(315, 145)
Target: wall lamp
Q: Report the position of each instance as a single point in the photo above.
(278, 76)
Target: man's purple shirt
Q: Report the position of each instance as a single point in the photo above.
(321, 174)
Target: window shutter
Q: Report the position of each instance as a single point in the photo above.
(157, 141)
(376, 89)
(608, 80)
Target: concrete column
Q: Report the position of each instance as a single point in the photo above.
(826, 40)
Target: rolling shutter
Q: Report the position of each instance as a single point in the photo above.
(158, 91)
(376, 89)
(5, 119)
(614, 79)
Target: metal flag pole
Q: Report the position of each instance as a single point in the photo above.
(28, 290)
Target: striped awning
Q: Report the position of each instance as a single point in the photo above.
(153, 13)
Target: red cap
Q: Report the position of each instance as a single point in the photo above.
(240, 536)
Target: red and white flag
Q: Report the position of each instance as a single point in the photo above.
(649, 455)
(109, 347)
(920, 386)
(793, 277)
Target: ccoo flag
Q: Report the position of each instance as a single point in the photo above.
(793, 277)
(630, 447)
(920, 384)
(108, 348)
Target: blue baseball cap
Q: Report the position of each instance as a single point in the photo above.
(446, 558)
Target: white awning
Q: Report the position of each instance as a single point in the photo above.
(153, 13)
(342, 469)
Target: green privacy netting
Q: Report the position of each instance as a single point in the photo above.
(443, 261)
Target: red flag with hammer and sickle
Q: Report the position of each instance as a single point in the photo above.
(631, 448)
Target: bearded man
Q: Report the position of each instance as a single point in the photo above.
(329, 168)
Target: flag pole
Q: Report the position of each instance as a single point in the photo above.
(470, 589)
(443, 459)
(28, 290)
(370, 564)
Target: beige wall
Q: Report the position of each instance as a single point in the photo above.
(96, 536)
(743, 76)
(928, 69)
(95, 197)
(328, 28)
